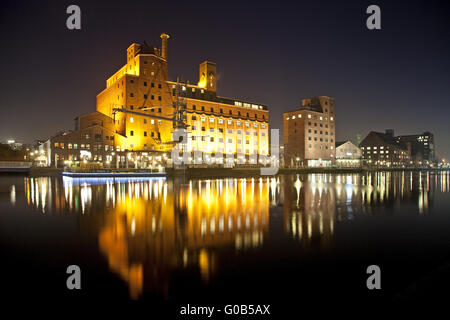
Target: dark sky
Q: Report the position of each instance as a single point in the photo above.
(275, 53)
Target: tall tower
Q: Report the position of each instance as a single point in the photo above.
(164, 37)
(207, 76)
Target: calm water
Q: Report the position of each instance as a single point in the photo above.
(263, 240)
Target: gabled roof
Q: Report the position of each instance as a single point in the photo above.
(340, 143)
(377, 138)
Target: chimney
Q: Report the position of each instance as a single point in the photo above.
(164, 38)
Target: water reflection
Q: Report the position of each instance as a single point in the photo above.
(150, 228)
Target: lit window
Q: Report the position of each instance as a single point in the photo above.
(255, 125)
(203, 119)
(220, 120)
(293, 117)
(211, 120)
(238, 123)
(321, 118)
(263, 126)
(247, 124)
(309, 116)
(152, 121)
(131, 120)
(331, 118)
(287, 118)
(230, 122)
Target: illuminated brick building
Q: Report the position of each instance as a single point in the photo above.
(215, 124)
(381, 149)
(309, 133)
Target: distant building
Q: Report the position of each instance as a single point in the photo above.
(309, 133)
(422, 147)
(14, 145)
(348, 154)
(382, 149)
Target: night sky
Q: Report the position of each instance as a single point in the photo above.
(275, 53)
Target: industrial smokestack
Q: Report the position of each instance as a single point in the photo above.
(164, 38)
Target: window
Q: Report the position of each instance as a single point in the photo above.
(211, 120)
(203, 119)
(145, 133)
(131, 94)
(145, 121)
(131, 133)
(159, 86)
(212, 109)
(159, 98)
(153, 97)
(220, 121)
(230, 122)
(309, 116)
(145, 83)
(211, 129)
(131, 119)
(230, 130)
(230, 140)
(238, 123)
